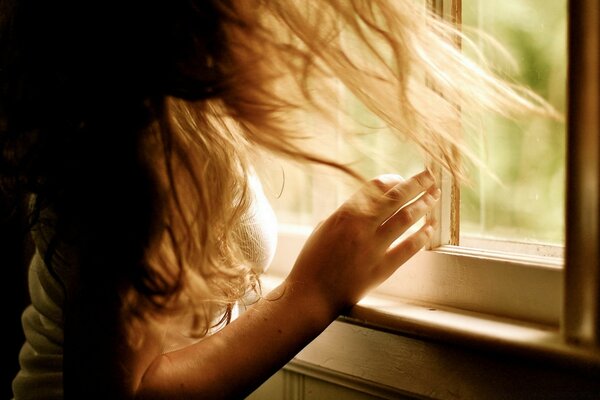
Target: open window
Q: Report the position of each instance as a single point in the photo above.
(495, 309)
(515, 258)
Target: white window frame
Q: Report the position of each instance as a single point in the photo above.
(526, 303)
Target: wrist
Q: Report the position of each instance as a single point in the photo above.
(306, 301)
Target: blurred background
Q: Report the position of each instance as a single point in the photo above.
(527, 156)
(520, 197)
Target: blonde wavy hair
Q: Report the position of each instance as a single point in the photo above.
(398, 58)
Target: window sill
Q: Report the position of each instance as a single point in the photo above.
(471, 329)
(385, 345)
(450, 322)
(521, 288)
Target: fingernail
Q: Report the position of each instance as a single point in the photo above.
(434, 192)
(426, 178)
(433, 222)
(429, 231)
(390, 178)
(430, 172)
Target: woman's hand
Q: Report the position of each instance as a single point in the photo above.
(355, 249)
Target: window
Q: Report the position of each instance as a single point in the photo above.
(525, 205)
(506, 316)
(499, 257)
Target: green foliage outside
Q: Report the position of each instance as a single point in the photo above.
(528, 155)
(522, 199)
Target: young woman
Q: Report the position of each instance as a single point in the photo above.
(132, 128)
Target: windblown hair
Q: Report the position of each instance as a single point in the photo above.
(136, 123)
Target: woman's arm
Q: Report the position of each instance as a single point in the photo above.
(237, 359)
(346, 256)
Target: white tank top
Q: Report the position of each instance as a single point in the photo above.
(257, 234)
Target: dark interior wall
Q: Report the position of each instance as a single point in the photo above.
(15, 251)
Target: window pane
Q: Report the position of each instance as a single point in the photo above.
(358, 139)
(522, 200)
(306, 195)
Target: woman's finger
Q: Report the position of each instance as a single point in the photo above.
(399, 254)
(380, 199)
(407, 216)
(402, 193)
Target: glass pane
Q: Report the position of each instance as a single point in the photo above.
(359, 140)
(522, 199)
(307, 194)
